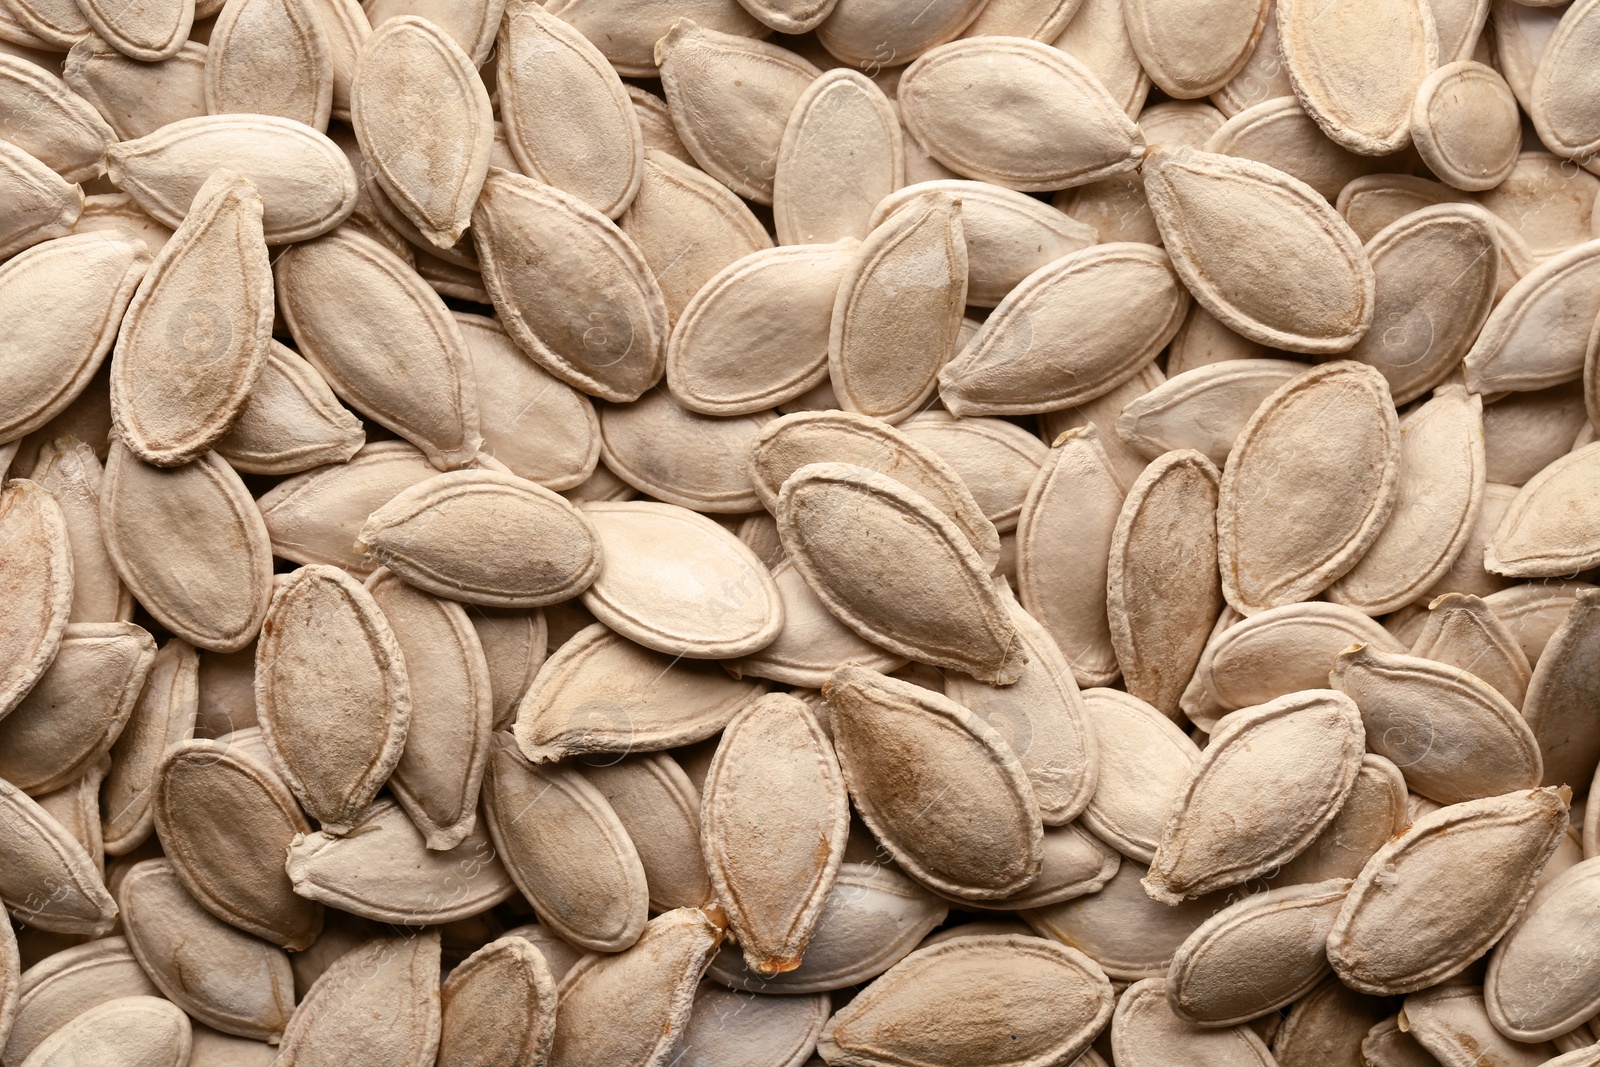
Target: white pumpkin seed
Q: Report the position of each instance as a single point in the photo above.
(508, 981)
(163, 716)
(1147, 1031)
(50, 122)
(51, 882)
(1097, 37)
(1284, 650)
(126, 1032)
(1279, 133)
(1144, 762)
(1204, 408)
(812, 643)
(1263, 76)
(39, 203)
(1559, 707)
(1537, 334)
(1564, 74)
(1374, 812)
(290, 422)
(1454, 1027)
(378, 1004)
(64, 985)
(841, 154)
(1466, 125)
(1185, 63)
(1523, 433)
(659, 807)
(117, 211)
(1534, 610)
(730, 1027)
(1463, 632)
(681, 456)
(1540, 538)
(271, 57)
(137, 98)
(1547, 201)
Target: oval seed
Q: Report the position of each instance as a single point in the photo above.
(1076, 863)
(1284, 650)
(655, 122)
(659, 807)
(378, 1004)
(383, 340)
(898, 311)
(248, 986)
(447, 736)
(601, 693)
(1031, 356)
(1334, 426)
(812, 643)
(1103, 412)
(328, 665)
(430, 157)
(163, 716)
(195, 337)
(137, 98)
(485, 538)
(566, 850)
(841, 155)
(290, 422)
(1538, 334)
(1144, 762)
(572, 290)
(731, 98)
(306, 183)
(1063, 128)
(1289, 763)
(39, 203)
(1564, 74)
(1466, 125)
(824, 506)
(1436, 897)
(50, 881)
(1279, 133)
(1186, 63)
(627, 30)
(717, 364)
(1357, 67)
(76, 807)
(1559, 707)
(62, 986)
(37, 570)
(590, 145)
(1526, 432)
(45, 22)
(926, 775)
(1534, 610)
(725, 1026)
(1147, 1031)
(1452, 1024)
(1540, 985)
(271, 57)
(1275, 937)
(190, 544)
(773, 824)
(1009, 235)
(126, 1032)
(1463, 632)
(873, 917)
(60, 303)
(77, 709)
(508, 981)
(798, 439)
(1064, 539)
(1374, 812)
(629, 1009)
(118, 211)
(997, 461)
(1547, 201)
(384, 870)
(52, 123)
(1545, 530)
(680, 456)
(1205, 408)
(1425, 329)
(1221, 217)
(1051, 1000)
(1166, 527)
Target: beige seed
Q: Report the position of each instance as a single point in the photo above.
(841, 154)
(118, 211)
(76, 806)
(1539, 985)
(1463, 632)
(305, 181)
(471, 25)
(191, 546)
(1329, 1021)
(1559, 707)
(271, 57)
(379, 1004)
(1466, 125)
(601, 693)
(573, 291)
(1335, 427)
(1526, 432)
(39, 203)
(248, 986)
(509, 982)
(627, 30)
(1061, 129)
(328, 665)
(1436, 897)
(1453, 1026)
(812, 643)
(430, 153)
(1103, 412)
(383, 870)
(590, 145)
(996, 459)
(77, 709)
(1202, 340)
(69, 471)
(1279, 133)
(46, 22)
(1144, 761)
(1146, 1031)
(290, 422)
(407, 367)
(1284, 650)
(1533, 611)
(185, 364)
(898, 311)
(1374, 812)
(628, 1009)
(1539, 537)
(873, 918)
(1538, 334)
(65, 984)
(148, 31)
(163, 716)
(1185, 63)
(1386, 1045)
(1263, 76)
(137, 98)
(795, 440)
(1203, 409)
(681, 456)
(1547, 200)
(731, 98)
(655, 122)
(1097, 37)
(938, 786)
(1221, 217)
(717, 364)
(1270, 780)
(773, 824)
(50, 122)
(346, 28)
(1565, 74)
(1043, 20)
(842, 525)
(514, 644)
(659, 807)
(447, 737)
(725, 1025)
(1051, 1000)
(51, 882)
(1076, 863)
(127, 1032)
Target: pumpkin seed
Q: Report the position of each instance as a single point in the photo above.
(1466, 125)
(135, 97)
(1103, 412)
(681, 456)
(1547, 200)
(1144, 761)
(306, 184)
(1523, 433)
(1146, 1030)
(997, 460)
(1097, 36)
(1535, 539)
(841, 154)
(1076, 863)
(1330, 1021)
(64, 985)
(1453, 1025)
(1279, 133)
(1533, 611)
(812, 642)
(52, 123)
(1185, 64)
(1436, 897)
(378, 1004)
(45, 23)
(1374, 812)
(39, 205)
(1386, 1045)
(1563, 74)
(1063, 128)
(1558, 707)
(290, 422)
(1204, 408)
(1521, 997)
(1202, 340)
(726, 1026)
(272, 57)
(627, 32)
(1306, 746)
(1536, 335)
(1043, 20)
(1333, 426)
(163, 716)
(1462, 631)
(659, 807)
(1262, 77)
(507, 980)
(51, 882)
(126, 1032)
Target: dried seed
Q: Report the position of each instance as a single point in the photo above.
(272, 57)
(1538, 334)
(725, 1026)
(126, 1032)
(1144, 762)
(1564, 75)
(1103, 412)
(1289, 764)
(50, 882)
(1559, 707)
(1436, 897)
(39, 203)
(225, 820)
(290, 422)
(50, 122)
(378, 1004)
(1284, 650)
(659, 807)
(305, 181)
(46, 22)
(1204, 408)
(37, 572)
(573, 291)
(1147, 1031)
(508, 981)
(1063, 128)
(627, 30)
(384, 870)
(1279, 133)
(64, 985)
(1533, 611)
(1547, 201)
(1453, 1025)
(841, 155)
(812, 643)
(1523, 433)
(1185, 63)
(681, 456)
(1466, 125)
(137, 98)
(1463, 632)
(190, 544)
(1263, 76)
(997, 460)
(163, 716)
(118, 211)
(1328, 1022)
(1374, 812)
(1076, 863)
(1539, 537)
